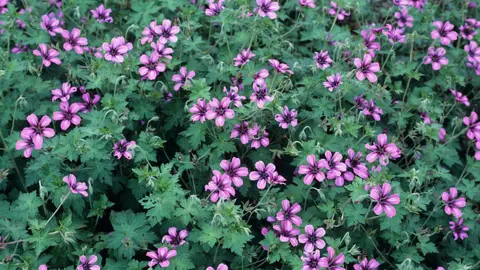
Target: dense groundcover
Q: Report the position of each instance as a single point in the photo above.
(238, 134)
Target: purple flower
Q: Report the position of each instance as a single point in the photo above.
(174, 238)
(88, 102)
(263, 174)
(333, 82)
(365, 264)
(444, 32)
(37, 130)
(372, 110)
(214, 8)
(311, 261)
(243, 57)
(123, 148)
(286, 118)
(259, 77)
(52, 25)
(331, 262)
(220, 110)
(3, 6)
(260, 139)
(76, 188)
(116, 51)
(418, 4)
(394, 34)
(366, 69)
(382, 151)
(453, 205)
(312, 238)
(233, 95)
(234, 171)
(68, 114)
(334, 164)
(279, 67)
(259, 95)
(322, 60)
(384, 201)
(243, 131)
(43, 267)
(473, 51)
(442, 133)
(168, 32)
(237, 81)
(25, 143)
(199, 111)
(102, 15)
(307, 3)
(460, 97)
(426, 118)
(276, 179)
(167, 96)
(468, 30)
(267, 8)
(64, 93)
(369, 40)
(473, 126)
(19, 48)
(151, 66)
(353, 161)
(403, 18)
(183, 79)
(360, 102)
(49, 55)
(150, 32)
(312, 170)
(458, 230)
(289, 213)
(74, 41)
(57, 3)
(219, 267)
(220, 186)
(477, 153)
(339, 14)
(161, 257)
(287, 233)
(436, 57)
(163, 52)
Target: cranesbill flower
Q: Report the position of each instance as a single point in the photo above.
(237, 81)
(279, 67)
(382, 151)
(312, 238)
(287, 233)
(477, 153)
(263, 174)
(74, 41)
(117, 50)
(102, 15)
(286, 118)
(334, 164)
(160, 257)
(267, 8)
(38, 129)
(243, 131)
(333, 82)
(372, 110)
(473, 51)
(174, 238)
(335, 12)
(403, 18)
(260, 140)
(167, 96)
(163, 52)
(220, 186)
(366, 69)
(436, 57)
(452, 204)
(394, 34)
(57, 3)
(460, 97)
(418, 4)
(259, 95)
(214, 8)
(3, 6)
(64, 93)
(384, 201)
(219, 267)
(88, 102)
(75, 188)
(43, 267)
(199, 111)
(475, 66)
(150, 32)
(458, 230)
(307, 3)
(444, 32)
(468, 30)
(331, 262)
(289, 213)
(220, 110)
(442, 133)
(360, 102)
(311, 261)
(52, 25)
(234, 171)
(259, 77)
(369, 40)
(48, 55)
(68, 114)
(322, 60)
(168, 32)
(366, 264)
(276, 179)
(353, 161)
(473, 126)
(19, 48)
(243, 58)
(123, 148)
(312, 170)
(233, 95)
(25, 143)
(151, 66)
(183, 79)
(426, 118)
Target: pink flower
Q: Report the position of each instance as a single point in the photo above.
(25, 143)
(267, 8)
(214, 8)
(43, 267)
(279, 67)
(182, 79)
(287, 118)
(48, 55)
(311, 261)
(123, 148)
(473, 126)
(477, 153)
(163, 52)
(220, 110)
(369, 40)
(442, 133)
(382, 151)
(367, 265)
(233, 95)
(473, 51)
(161, 257)
(436, 57)
(394, 34)
(234, 171)
(263, 174)
(372, 110)
(220, 186)
(174, 238)
(261, 139)
(460, 97)
(199, 111)
(168, 32)
(353, 161)
(426, 118)
(150, 32)
(243, 58)
(403, 18)
(339, 14)
(334, 164)
(322, 60)
(287, 233)
(259, 77)
(333, 82)
(74, 41)
(366, 69)
(453, 205)
(384, 201)
(219, 267)
(117, 50)
(331, 262)
(88, 102)
(312, 170)
(259, 95)
(64, 93)
(102, 15)
(312, 238)
(51, 25)
(37, 130)
(289, 213)
(444, 31)
(307, 3)
(3, 6)
(151, 66)
(458, 230)
(244, 132)
(76, 188)
(68, 114)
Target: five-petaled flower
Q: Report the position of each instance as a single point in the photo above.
(76, 187)
(366, 264)
(452, 204)
(219, 110)
(48, 55)
(234, 171)
(444, 32)
(74, 41)
(151, 66)
(382, 150)
(333, 262)
(68, 114)
(287, 118)
(436, 57)
(102, 15)
(263, 174)
(37, 130)
(123, 148)
(289, 213)
(313, 170)
(366, 69)
(183, 79)
(385, 201)
(161, 257)
(267, 8)
(458, 229)
(312, 238)
(220, 187)
(175, 238)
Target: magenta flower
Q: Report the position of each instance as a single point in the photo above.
(312, 170)
(267, 8)
(394, 34)
(57, 3)
(322, 60)
(360, 102)
(76, 188)
(123, 148)
(243, 57)
(163, 52)
(473, 51)
(233, 95)
(287, 233)
(384, 201)
(214, 8)
(199, 111)
(286, 118)
(259, 95)
(68, 114)
(25, 143)
(276, 179)
(312, 238)
(43, 267)
(331, 262)
(168, 32)
(48, 55)
(243, 131)
(473, 126)
(311, 261)
(219, 267)
(220, 186)
(372, 110)
(353, 161)
(442, 133)
(333, 82)
(382, 151)
(335, 12)
(74, 41)
(150, 32)
(458, 230)
(259, 77)
(426, 118)
(37, 130)
(369, 40)
(3, 6)
(151, 66)
(263, 174)
(161, 257)
(174, 238)
(334, 165)
(220, 110)
(365, 264)
(279, 67)
(366, 69)
(261, 139)
(403, 18)
(88, 102)
(477, 153)
(436, 57)
(19, 48)
(453, 205)
(418, 4)
(167, 96)
(234, 171)
(117, 50)
(102, 15)
(307, 3)
(444, 32)
(64, 93)
(468, 30)
(289, 213)
(51, 25)
(460, 97)
(183, 79)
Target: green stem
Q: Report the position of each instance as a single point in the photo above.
(56, 210)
